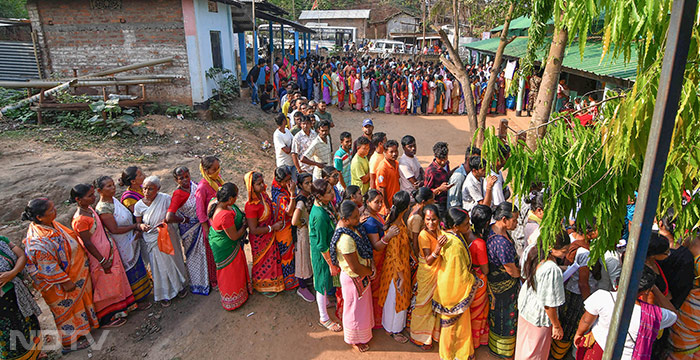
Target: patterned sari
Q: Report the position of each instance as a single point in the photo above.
(19, 312)
(382, 96)
(425, 325)
(396, 100)
(684, 341)
(395, 281)
(193, 242)
(267, 270)
(112, 295)
(479, 308)
(456, 287)
(403, 96)
(285, 240)
(326, 85)
(231, 264)
(503, 297)
(341, 91)
(54, 256)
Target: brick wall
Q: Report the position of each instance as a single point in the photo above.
(72, 35)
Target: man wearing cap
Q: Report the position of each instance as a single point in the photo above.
(367, 130)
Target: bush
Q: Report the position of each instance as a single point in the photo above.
(227, 89)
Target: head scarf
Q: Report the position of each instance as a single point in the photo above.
(214, 181)
(253, 197)
(364, 245)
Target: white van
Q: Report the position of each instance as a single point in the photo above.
(382, 46)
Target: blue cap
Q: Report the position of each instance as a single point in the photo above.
(367, 122)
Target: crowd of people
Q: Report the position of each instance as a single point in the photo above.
(440, 256)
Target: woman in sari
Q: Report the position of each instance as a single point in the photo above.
(357, 89)
(394, 290)
(396, 96)
(540, 296)
(439, 95)
(282, 190)
(60, 272)
(326, 85)
(118, 221)
(112, 296)
(479, 309)
(19, 310)
(322, 221)
(448, 95)
(260, 214)
(352, 100)
(456, 287)
(422, 197)
(381, 93)
(209, 168)
(374, 227)
(425, 325)
(162, 242)
(389, 96)
(132, 178)
(302, 254)
(351, 250)
(503, 281)
(183, 211)
(683, 340)
(226, 235)
(341, 90)
(403, 105)
(431, 96)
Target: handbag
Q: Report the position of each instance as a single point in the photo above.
(165, 245)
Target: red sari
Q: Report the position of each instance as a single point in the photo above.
(267, 269)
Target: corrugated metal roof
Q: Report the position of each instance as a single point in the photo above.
(523, 22)
(590, 63)
(334, 14)
(17, 61)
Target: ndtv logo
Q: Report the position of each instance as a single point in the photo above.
(18, 340)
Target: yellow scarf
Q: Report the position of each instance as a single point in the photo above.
(214, 181)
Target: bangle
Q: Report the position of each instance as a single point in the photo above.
(383, 242)
(103, 260)
(269, 228)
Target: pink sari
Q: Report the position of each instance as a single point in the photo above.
(358, 318)
(357, 89)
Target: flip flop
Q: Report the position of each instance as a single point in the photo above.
(82, 344)
(270, 294)
(399, 338)
(146, 306)
(115, 323)
(332, 326)
(165, 303)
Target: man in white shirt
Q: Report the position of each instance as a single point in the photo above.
(282, 139)
(454, 194)
(474, 191)
(410, 171)
(298, 106)
(500, 193)
(319, 153)
(301, 143)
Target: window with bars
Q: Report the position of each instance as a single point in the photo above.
(215, 37)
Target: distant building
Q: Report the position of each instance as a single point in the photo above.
(354, 18)
(394, 26)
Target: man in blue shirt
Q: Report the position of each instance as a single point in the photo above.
(254, 80)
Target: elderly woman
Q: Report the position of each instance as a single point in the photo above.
(112, 294)
(118, 221)
(503, 281)
(183, 211)
(162, 243)
(60, 270)
(19, 309)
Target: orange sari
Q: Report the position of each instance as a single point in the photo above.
(54, 257)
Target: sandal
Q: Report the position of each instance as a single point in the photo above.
(83, 343)
(399, 338)
(332, 326)
(421, 346)
(361, 347)
(165, 303)
(115, 323)
(182, 294)
(270, 294)
(145, 305)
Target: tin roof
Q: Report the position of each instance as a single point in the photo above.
(523, 22)
(334, 14)
(592, 61)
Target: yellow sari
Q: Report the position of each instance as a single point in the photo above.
(453, 295)
(425, 325)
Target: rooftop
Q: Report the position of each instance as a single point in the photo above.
(334, 14)
(523, 22)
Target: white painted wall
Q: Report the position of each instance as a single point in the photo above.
(199, 47)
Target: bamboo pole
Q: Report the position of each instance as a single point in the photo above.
(129, 67)
(35, 98)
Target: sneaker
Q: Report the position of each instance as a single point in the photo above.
(305, 294)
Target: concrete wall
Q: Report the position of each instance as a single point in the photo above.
(402, 24)
(199, 22)
(72, 35)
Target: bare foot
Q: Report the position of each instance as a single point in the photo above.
(361, 347)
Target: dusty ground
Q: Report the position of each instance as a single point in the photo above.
(48, 162)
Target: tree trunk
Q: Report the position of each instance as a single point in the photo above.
(494, 73)
(456, 67)
(548, 87)
(455, 22)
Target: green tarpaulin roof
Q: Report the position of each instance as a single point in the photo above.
(523, 22)
(590, 63)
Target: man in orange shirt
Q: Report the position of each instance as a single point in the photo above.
(388, 173)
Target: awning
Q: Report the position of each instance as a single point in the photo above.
(281, 20)
(590, 65)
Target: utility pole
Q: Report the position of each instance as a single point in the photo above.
(424, 5)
